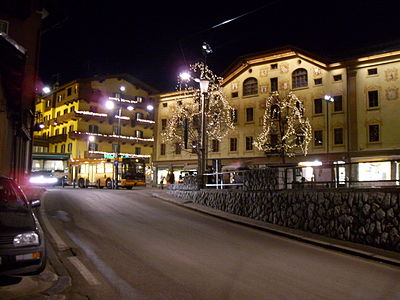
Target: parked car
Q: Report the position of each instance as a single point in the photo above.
(22, 242)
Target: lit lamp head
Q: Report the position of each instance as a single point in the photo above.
(130, 108)
(91, 138)
(46, 90)
(150, 107)
(122, 88)
(329, 98)
(109, 104)
(185, 76)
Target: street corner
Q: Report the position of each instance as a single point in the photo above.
(29, 287)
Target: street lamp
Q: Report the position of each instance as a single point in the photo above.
(46, 90)
(111, 105)
(328, 100)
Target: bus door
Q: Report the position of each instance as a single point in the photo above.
(92, 173)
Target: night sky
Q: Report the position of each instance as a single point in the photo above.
(154, 41)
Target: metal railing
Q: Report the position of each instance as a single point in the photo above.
(226, 179)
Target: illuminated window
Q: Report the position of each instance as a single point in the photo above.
(250, 87)
(69, 148)
(93, 147)
(116, 148)
(139, 133)
(299, 78)
(373, 99)
(318, 140)
(373, 133)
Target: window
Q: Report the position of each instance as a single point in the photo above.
(69, 91)
(69, 147)
(233, 144)
(59, 98)
(299, 78)
(58, 113)
(139, 115)
(300, 107)
(138, 150)
(234, 114)
(338, 136)
(250, 87)
(63, 148)
(116, 148)
(215, 146)
(139, 133)
(274, 139)
(275, 112)
(72, 108)
(116, 130)
(71, 128)
(274, 66)
(373, 100)
(178, 148)
(64, 130)
(3, 26)
(48, 103)
(234, 94)
(163, 148)
(93, 147)
(274, 84)
(318, 138)
(56, 132)
(165, 104)
(318, 81)
(93, 128)
(373, 71)
(65, 111)
(163, 124)
(55, 149)
(249, 143)
(337, 77)
(93, 108)
(249, 114)
(318, 106)
(337, 103)
(373, 135)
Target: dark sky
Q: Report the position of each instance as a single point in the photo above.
(154, 40)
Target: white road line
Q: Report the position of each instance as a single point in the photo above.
(83, 270)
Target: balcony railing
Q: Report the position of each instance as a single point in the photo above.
(113, 138)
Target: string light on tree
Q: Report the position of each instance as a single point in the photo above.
(286, 130)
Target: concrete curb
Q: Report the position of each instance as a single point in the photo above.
(360, 250)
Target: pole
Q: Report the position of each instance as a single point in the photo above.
(203, 138)
(119, 144)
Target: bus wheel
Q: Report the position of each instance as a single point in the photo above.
(81, 183)
(109, 183)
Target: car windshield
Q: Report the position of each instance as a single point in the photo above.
(14, 209)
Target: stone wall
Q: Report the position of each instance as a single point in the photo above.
(367, 216)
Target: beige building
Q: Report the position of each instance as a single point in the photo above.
(76, 123)
(360, 125)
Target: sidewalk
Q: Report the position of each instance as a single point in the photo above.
(364, 251)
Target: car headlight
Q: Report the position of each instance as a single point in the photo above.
(42, 180)
(26, 239)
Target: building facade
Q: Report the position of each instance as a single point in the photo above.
(358, 124)
(74, 120)
(20, 25)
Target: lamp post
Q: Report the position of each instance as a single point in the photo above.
(203, 137)
(328, 100)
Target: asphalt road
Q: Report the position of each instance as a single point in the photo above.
(129, 245)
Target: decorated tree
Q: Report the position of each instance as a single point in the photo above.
(285, 128)
(184, 126)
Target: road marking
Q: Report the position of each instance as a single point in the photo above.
(83, 270)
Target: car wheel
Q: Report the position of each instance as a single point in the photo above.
(109, 183)
(81, 183)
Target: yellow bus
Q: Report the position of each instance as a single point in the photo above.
(101, 172)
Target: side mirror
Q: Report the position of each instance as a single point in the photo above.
(35, 203)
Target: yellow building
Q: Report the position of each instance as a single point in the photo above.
(360, 125)
(76, 123)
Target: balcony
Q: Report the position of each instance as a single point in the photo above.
(112, 138)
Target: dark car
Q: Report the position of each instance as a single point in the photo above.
(22, 243)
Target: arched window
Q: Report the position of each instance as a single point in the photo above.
(250, 87)
(299, 78)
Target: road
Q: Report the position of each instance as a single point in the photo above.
(129, 245)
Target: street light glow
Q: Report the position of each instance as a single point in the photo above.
(46, 90)
(185, 76)
(150, 107)
(91, 138)
(110, 104)
(122, 88)
(329, 98)
(130, 107)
